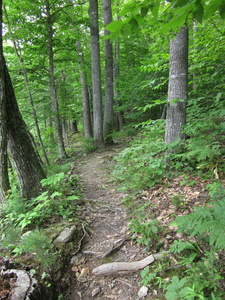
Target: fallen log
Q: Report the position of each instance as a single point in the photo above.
(123, 267)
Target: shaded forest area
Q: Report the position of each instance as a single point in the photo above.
(81, 76)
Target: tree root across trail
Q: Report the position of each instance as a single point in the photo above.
(106, 247)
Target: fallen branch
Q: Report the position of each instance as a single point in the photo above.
(118, 267)
(122, 267)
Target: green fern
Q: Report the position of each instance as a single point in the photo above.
(208, 220)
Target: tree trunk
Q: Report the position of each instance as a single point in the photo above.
(21, 146)
(88, 133)
(28, 90)
(178, 87)
(74, 127)
(119, 113)
(55, 105)
(4, 179)
(108, 110)
(96, 75)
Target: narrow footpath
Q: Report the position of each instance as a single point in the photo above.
(106, 234)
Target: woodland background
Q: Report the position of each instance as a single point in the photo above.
(111, 72)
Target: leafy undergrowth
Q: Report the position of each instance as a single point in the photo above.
(186, 218)
(178, 207)
(29, 227)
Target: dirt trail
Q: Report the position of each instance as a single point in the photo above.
(107, 220)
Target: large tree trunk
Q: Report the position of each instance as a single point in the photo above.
(108, 110)
(178, 87)
(21, 146)
(17, 51)
(55, 105)
(4, 179)
(96, 75)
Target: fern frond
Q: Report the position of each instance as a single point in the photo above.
(206, 220)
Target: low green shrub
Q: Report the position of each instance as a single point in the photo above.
(141, 166)
(207, 221)
(145, 232)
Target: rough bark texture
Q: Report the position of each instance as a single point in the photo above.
(96, 75)
(55, 105)
(108, 111)
(178, 87)
(18, 54)
(21, 146)
(4, 180)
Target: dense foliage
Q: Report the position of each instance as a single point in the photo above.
(140, 34)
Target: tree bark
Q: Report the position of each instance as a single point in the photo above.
(116, 73)
(55, 105)
(16, 48)
(178, 87)
(96, 75)
(4, 179)
(108, 109)
(21, 146)
(88, 133)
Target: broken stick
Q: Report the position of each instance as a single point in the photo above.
(121, 267)
(117, 267)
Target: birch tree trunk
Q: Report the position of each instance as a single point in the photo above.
(96, 75)
(4, 179)
(178, 87)
(108, 109)
(55, 105)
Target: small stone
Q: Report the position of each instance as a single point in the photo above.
(84, 272)
(66, 235)
(142, 292)
(26, 234)
(77, 259)
(96, 291)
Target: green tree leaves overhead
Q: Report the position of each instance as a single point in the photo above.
(169, 15)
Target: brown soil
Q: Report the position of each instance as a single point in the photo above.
(106, 228)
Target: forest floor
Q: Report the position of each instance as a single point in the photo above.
(107, 234)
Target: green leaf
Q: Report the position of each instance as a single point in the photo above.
(139, 19)
(125, 30)
(222, 10)
(55, 194)
(134, 26)
(177, 100)
(72, 197)
(114, 26)
(199, 13)
(155, 10)
(181, 3)
(211, 8)
(128, 8)
(175, 22)
(144, 11)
